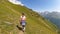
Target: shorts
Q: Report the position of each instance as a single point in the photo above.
(23, 23)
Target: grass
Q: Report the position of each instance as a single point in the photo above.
(9, 18)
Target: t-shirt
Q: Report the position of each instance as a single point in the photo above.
(23, 17)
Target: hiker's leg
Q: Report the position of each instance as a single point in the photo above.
(23, 25)
(23, 28)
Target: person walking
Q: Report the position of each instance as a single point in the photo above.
(23, 21)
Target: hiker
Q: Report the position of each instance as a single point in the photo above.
(23, 21)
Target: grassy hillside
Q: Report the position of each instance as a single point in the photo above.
(9, 18)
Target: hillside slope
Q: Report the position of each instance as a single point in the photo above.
(9, 18)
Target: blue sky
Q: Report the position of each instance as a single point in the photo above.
(42, 5)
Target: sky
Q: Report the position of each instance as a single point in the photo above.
(42, 5)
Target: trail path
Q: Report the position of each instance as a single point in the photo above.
(20, 32)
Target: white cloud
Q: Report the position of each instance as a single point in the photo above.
(16, 2)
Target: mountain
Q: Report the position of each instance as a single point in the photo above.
(9, 19)
(53, 17)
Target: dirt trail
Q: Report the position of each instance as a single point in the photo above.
(20, 32)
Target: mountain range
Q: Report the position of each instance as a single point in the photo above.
(53, 17)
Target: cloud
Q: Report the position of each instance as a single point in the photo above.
(16, 2)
